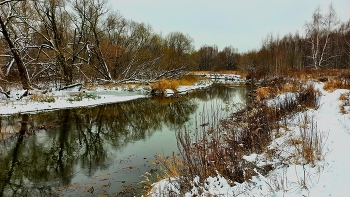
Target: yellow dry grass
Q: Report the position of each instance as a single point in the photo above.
(342, 109)
(171, 166)
(187, 80)
(344, 96)
(345, 101)
(332, 85)
(165, 84)
(264, 93)
(42, 98)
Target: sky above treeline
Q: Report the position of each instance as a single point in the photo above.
(241, 24)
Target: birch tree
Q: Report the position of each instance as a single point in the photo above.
(318, 34)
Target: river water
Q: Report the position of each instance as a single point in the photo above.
(101, 150)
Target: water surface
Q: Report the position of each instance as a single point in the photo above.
(99, 150)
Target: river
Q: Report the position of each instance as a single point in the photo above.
(101, 150)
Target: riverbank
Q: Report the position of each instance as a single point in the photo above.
(117, 141)
(79, 96)
(293, 172)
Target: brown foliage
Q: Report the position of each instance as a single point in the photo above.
(213, 148)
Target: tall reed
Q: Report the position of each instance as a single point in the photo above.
(218, 147)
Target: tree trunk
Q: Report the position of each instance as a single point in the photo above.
(21, 68)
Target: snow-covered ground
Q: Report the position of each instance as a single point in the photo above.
(37, 101)
(63, 99)
(291, 175)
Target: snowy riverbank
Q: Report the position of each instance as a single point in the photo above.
(290, 175)
(60, 99)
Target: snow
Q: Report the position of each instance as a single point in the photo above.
(60, 103)
(104, 95)
(291, 176)
(62, 100)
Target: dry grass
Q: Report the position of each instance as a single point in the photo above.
(317, 74)
(171, 166)
(291, 86)
(264, 93)
(312, 141)
(218, 148)
(337, 79)
(165, 84)
(189, 80)
(345, 98)
(173, 84)
(90, 86)
(42, 98)
(332, 85)
(342, 109)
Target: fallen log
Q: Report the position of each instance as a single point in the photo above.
(72, 86)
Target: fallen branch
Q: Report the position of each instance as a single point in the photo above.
(5, 93)
(72, 86)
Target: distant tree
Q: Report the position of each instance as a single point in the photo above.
(227, 59)
(207, 57)
(179, 48)
(318, 33)
(345, 36)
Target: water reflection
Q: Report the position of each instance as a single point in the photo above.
(58, 148)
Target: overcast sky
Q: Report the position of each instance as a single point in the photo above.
(240, 23)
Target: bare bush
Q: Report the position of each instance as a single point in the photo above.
(218, 148)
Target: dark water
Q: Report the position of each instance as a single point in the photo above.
(101, 150)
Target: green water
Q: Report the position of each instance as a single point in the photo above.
(99, 150)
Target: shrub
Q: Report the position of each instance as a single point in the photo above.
(218, 147)
(345, 98)
(340, 82)
(311, 141)
(264, 93)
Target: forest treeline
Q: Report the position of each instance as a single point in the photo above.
(83, 41)
(325, 44)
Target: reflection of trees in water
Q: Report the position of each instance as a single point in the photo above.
(223, 92)
(23, 163)
(36, 164)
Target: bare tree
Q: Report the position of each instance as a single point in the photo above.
(51, 26)
(89, 22)
(207, 57)
(227, 58)
(8, 23)
(318, 32)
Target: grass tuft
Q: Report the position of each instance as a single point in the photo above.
(42, 98)
(173, 84)
(81, 96)
(165, 84)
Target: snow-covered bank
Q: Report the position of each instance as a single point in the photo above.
(291, 175)
(28, 106)
(36, 101)
(227, 77)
